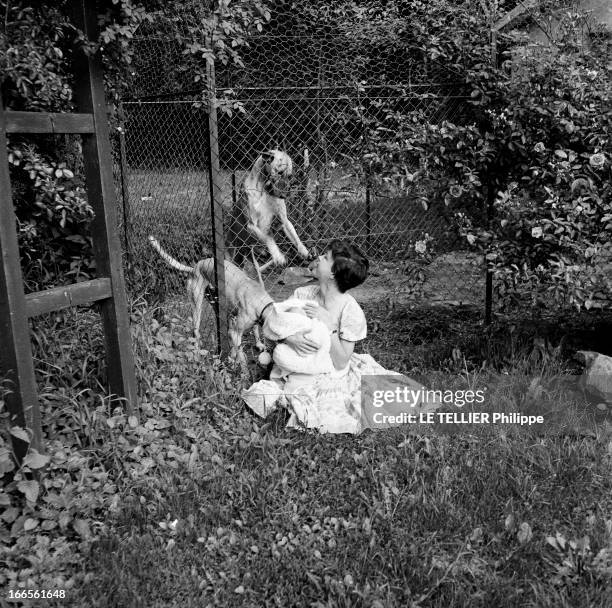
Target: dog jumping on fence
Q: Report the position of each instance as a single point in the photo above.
(261, 199)
(249, 302)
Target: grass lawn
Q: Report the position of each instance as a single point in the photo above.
(200, 503)
(384, 520)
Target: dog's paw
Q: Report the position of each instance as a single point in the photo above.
(279, 259)
(303, 252)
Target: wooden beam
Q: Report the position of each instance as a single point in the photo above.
(514, 14)
(48, 122)
(98, 167)
(66, 296)
(15, 352)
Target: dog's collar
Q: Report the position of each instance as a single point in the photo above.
(260, 319)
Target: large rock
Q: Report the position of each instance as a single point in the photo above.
(597, 376)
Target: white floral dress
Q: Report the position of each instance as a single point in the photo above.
(330, 403)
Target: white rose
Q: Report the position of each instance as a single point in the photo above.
(536, 232)
(597, 160)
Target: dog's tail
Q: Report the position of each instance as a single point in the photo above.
(168, 258)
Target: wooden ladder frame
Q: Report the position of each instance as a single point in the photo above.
(108, 289)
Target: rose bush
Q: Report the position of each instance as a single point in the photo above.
(528, 177)
(523, 172)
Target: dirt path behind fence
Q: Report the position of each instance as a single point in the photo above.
(455, 278)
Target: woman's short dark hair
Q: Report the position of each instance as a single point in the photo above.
(350, 266)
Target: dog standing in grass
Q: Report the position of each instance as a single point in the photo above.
(249, 302)
(261, 199)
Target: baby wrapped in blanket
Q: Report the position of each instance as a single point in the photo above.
(291, 319)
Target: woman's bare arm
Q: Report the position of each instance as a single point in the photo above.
(302, 344)
(340, 351)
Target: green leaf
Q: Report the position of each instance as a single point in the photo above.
(30, 489)
(6, 461)
(82, 528)
(10, 515)
(30, 524)
(20, 433)
(64, 520)
(34, 460)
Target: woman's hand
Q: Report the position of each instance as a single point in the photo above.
(314, 311)
(302, 344)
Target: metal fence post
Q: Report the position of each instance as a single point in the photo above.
(490, 199)
(216, 214)
(368, 215)
(234, 190)
(488, 271)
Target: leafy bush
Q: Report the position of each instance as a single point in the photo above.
(50, 202)
(36, 45)
(52, 214)
(535, 158)
(523, 171)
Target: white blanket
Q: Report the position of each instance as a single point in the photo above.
(284, 324)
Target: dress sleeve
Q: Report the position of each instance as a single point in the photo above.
(353, 326)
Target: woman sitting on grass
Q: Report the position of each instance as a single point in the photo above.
(329, 402)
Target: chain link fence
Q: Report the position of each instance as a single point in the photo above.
(332, 107)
